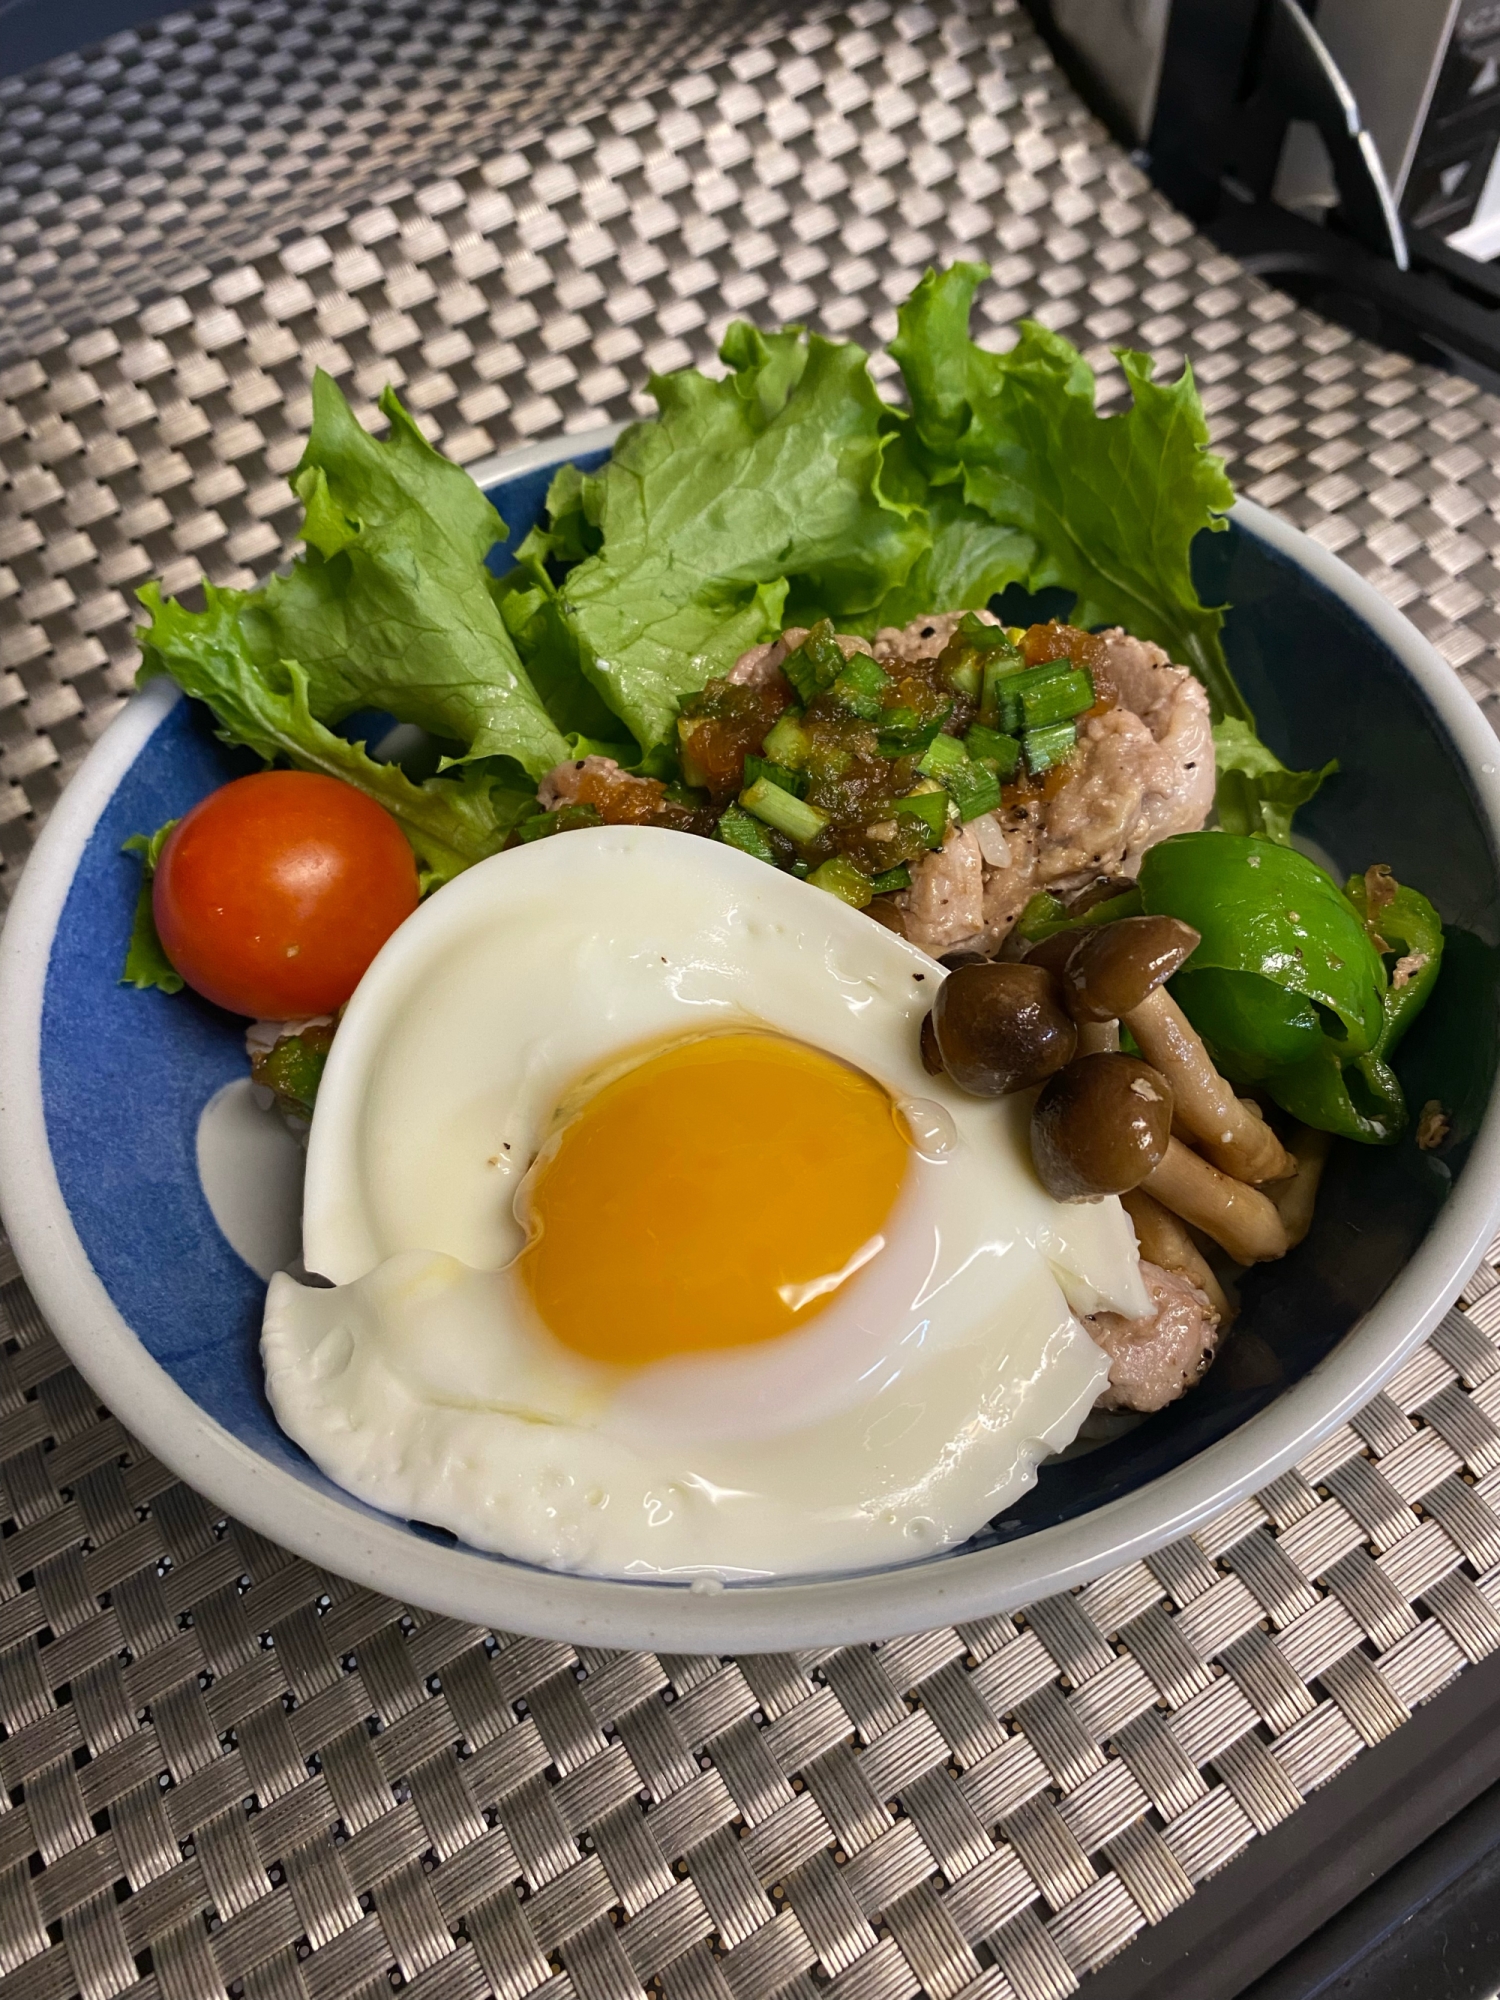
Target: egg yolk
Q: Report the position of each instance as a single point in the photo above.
(710, 1197)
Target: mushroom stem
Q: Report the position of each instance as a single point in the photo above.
(1099, 1038)
(1164, 1240)
(1296, 1197)
(1229, 1132)
(1242, 1219)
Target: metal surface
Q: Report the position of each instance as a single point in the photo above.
(226, 1771)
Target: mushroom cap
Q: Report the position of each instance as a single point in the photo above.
(1054, 952)
(1103, 889)
(1001, 1027)
(1100, 1126)
(932, 1061)
(1118, 965)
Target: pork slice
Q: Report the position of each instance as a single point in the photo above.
(560, 786)
(944, 907)
(1087, 826)
(1153, 1361)
(1008, 888)
(1145, 769)
(759, 667)
(1180, 792)
(923, 638)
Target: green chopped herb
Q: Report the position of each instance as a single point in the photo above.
(903, 732)
(737, 829)
(889, 879)
(1057, 699)
(1000, 668)
(783, 810)
(861, 687)
(1049, 746)
(841, 878)
(562, 819)
(998, 753)
(931, 808)
(788, 742)
(942, 755)
(817, 663)
(794, 782)
(975, 790)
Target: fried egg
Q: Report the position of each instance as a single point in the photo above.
(651, 1250)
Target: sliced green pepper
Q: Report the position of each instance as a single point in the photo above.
(1285, 972)
(1408, 930)
(1364, 1100)
(1045, 915)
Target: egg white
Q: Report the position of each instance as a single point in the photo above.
(913, 1408)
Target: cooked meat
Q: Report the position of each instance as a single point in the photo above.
(944, 907)
(1144, 770)
(1152, 1361)
(923, 638)
(561, 785)
(758, 666)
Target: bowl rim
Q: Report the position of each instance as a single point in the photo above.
(387, 1557)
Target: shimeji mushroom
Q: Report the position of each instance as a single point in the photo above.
(998, 1028)
(1103, 1125)
(1164, 1240)
(1295, 1198)
(1240, 1219)
(1100, 1126)
(1119, 972)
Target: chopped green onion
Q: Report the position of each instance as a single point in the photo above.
(942, 755)
(777, 774)
(903, 732)
(801, 870)
(975, 790)
(784, 810)
(788, 742)
(989, 747)
(994, 707)
(817, 662)
(562, 819)
(1049, 746)
(965, 678)
(860, 687)
(1058, 699)
(841, 878)
(889, 879)
(931, 808)
(738, 829)
(988, 638)
(1005, 692)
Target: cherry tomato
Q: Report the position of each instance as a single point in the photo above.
(273, 895)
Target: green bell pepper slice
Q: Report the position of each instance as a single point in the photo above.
(1404, 926)
(1363, 1099)
(1285, 972)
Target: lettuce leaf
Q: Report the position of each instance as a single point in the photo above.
(972, 559)
(1256, 792)
(146, 963)
(451, 820)
(390, 608)
(1111, 505)
(748, 498)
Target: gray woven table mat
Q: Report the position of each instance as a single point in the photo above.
(224, 1770)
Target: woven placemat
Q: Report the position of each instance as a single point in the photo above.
(227, 1772)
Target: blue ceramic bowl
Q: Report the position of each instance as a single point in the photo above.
(101, 1091)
